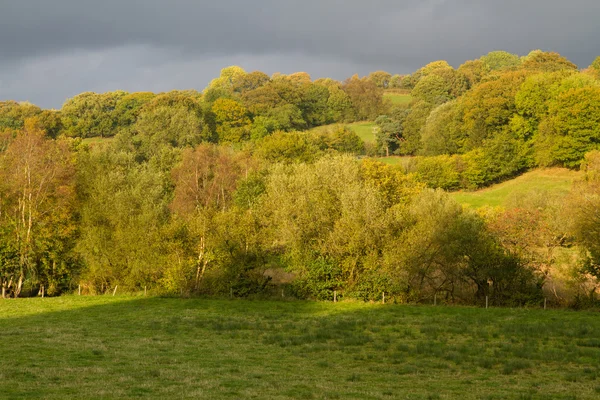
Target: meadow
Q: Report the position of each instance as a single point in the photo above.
(134, 347)
(364, 130)
(545, 182)
(397, 97)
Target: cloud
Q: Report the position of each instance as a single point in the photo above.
(52, 50)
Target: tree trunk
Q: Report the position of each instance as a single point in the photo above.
(19, 286)
(201, 267)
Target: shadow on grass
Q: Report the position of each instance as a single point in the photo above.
(131, 347)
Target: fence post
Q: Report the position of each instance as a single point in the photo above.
(435, 299)
(486, 302)
(335, 296)
(79, 290)
(115, 291)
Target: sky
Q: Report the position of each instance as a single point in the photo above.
(53, 50)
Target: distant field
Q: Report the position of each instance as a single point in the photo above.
(553, 180)
(364, 130)
(135, 347)
(97, 140)
(398, 98)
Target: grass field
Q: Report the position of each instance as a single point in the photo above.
(364, 130)
(551, 181)
(135, 347)
(398, 98)
(97, 140)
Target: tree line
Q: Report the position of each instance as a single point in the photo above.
(495, 117)
(218, 192)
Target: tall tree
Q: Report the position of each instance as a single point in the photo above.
(36, 208)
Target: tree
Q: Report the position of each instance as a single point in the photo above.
(500, 60)
(396, 81)
(532, 101)
(474, 71)
(584, 204)
(287, 147)
(205, 184)
(314, 105)
(91, 114)
(365, 96)
(129, 107)
(339, 104)
(169, 120)
(390, 133)
(432, 89)
(261, 100)
(233, 123)
(381, 79)
(36, 211)
(489, 107)
(14, 114)
(595, 68)
(542, 61)
(571, 129)
(123, 215)
(339, 138)
(435, 67)
(223, 86)
(391, 182)
(413, 125)
(442, 133)
(245, 82)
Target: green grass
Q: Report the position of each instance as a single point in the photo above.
(97, 140)
(398, 98)
(364, 130)
(135, 347)
(553, 181)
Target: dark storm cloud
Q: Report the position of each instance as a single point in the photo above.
(53, 49)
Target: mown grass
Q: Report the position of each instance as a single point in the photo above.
(552, 181)
(133, 347)
(397, 98)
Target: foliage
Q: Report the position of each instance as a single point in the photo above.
(572, 127)
(500, 60)
(37, 213)
(91, 114)
(221, 192)
(365, 96)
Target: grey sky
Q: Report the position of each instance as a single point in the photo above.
(52, 50)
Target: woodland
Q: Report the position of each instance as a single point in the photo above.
(256, 187)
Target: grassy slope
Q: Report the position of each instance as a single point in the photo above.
(397, 98)
(553, 180)
(128, 347)
(364, 130)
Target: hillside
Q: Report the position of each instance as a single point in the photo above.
(551, 181)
